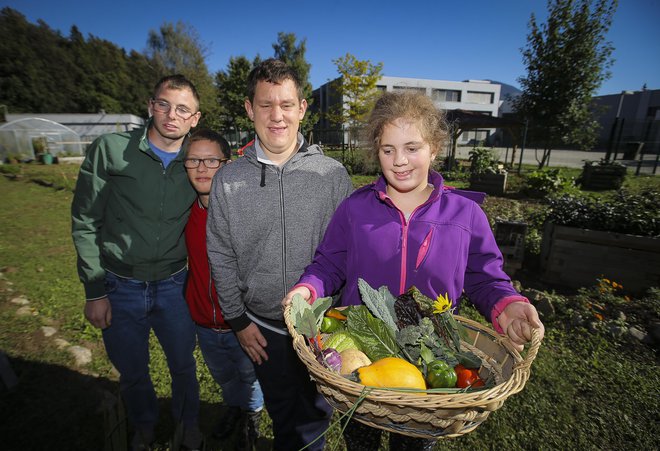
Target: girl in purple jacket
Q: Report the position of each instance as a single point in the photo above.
(408, 229)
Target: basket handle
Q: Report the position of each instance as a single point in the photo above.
(533, 350)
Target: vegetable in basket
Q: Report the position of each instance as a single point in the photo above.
(390, 372)
(351, 360)
(341, 340)
(467, 377)
(330, 359)
(440, 375)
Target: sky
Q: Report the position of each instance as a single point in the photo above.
(429, 39)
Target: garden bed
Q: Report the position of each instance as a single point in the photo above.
(575, 257)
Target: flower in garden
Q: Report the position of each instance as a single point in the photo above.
(441, 304)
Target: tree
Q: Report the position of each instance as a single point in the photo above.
(231, 85)
(294, 55)
(177, 48)
(567, 60)
(357, 89)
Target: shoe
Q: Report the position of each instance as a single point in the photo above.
(248, 431)
(192, 438)
(228, 421)
(143, 440)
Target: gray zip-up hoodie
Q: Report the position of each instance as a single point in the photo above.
(264, 225)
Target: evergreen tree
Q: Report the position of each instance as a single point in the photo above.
(567, 60)
(294, 55)
(231, 86)
(177, 48)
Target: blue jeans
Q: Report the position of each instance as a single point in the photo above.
(231, 368)
(138, 307)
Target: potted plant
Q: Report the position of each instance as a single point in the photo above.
(602, 175)
(486, 173)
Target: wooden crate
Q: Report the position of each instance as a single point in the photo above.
(494, 184)
(597, 177)
(510, 238)
(577, 257)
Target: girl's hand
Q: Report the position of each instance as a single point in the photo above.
(303, 291)
(517, 321)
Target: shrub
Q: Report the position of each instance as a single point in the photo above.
(483, 160)
(542, 183)
(636, 214)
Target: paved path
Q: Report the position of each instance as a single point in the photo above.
(563, 158)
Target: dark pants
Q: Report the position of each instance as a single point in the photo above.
(299, 413)
(360, 437)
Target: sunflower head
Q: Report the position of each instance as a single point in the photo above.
(441, 304)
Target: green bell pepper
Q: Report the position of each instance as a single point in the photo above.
(440, 375)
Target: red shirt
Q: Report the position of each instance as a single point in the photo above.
(201, 296)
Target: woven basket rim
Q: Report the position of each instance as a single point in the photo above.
(480, 399)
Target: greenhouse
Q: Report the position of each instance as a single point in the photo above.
(27, 138)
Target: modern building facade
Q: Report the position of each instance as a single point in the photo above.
(629, 117)
(477, 96)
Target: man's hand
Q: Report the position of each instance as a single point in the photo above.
(254, 343)
(517, 321)
(99, 312)
(303, 291)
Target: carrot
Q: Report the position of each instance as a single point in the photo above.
(334, 313)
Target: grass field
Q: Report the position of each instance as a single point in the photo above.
(587, 390)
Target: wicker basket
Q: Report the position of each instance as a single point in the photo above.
(433, 415)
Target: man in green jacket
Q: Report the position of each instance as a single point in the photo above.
(129, 212)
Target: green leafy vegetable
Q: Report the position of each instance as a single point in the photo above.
(412, 339)
(380, 303)
(375, 336)
(304, 320)
(319, 306)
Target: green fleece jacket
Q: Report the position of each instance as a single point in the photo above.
(128, 212)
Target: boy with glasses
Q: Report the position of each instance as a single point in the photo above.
(206, 153)
(129, 211)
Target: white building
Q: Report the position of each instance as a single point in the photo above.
(478, 96)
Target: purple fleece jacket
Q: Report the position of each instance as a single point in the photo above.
(446, 246)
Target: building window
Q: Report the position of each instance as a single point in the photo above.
(381, 88)
(410, 89)
(482, 98)
(444, 95)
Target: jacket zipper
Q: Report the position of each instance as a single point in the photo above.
(404, 240)
(283, 225)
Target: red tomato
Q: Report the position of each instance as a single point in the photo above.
(466, 377)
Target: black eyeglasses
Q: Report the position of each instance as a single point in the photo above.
(210, 163)
(162, 106)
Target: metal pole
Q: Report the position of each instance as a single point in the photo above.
(522, 148)
(608, 154)
(618, 139)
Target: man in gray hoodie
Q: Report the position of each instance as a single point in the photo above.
(267, 213)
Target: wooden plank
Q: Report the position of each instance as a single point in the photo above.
(609, 239)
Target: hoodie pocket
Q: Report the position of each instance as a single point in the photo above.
(423, 249)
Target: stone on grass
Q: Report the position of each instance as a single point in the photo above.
(82, 355)
(26, 310)
(637, 334)
(61, 343)
(21, 300)
(48, 331)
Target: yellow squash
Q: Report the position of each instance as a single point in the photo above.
(391, 372)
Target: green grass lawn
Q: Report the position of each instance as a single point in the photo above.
(587, 390)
